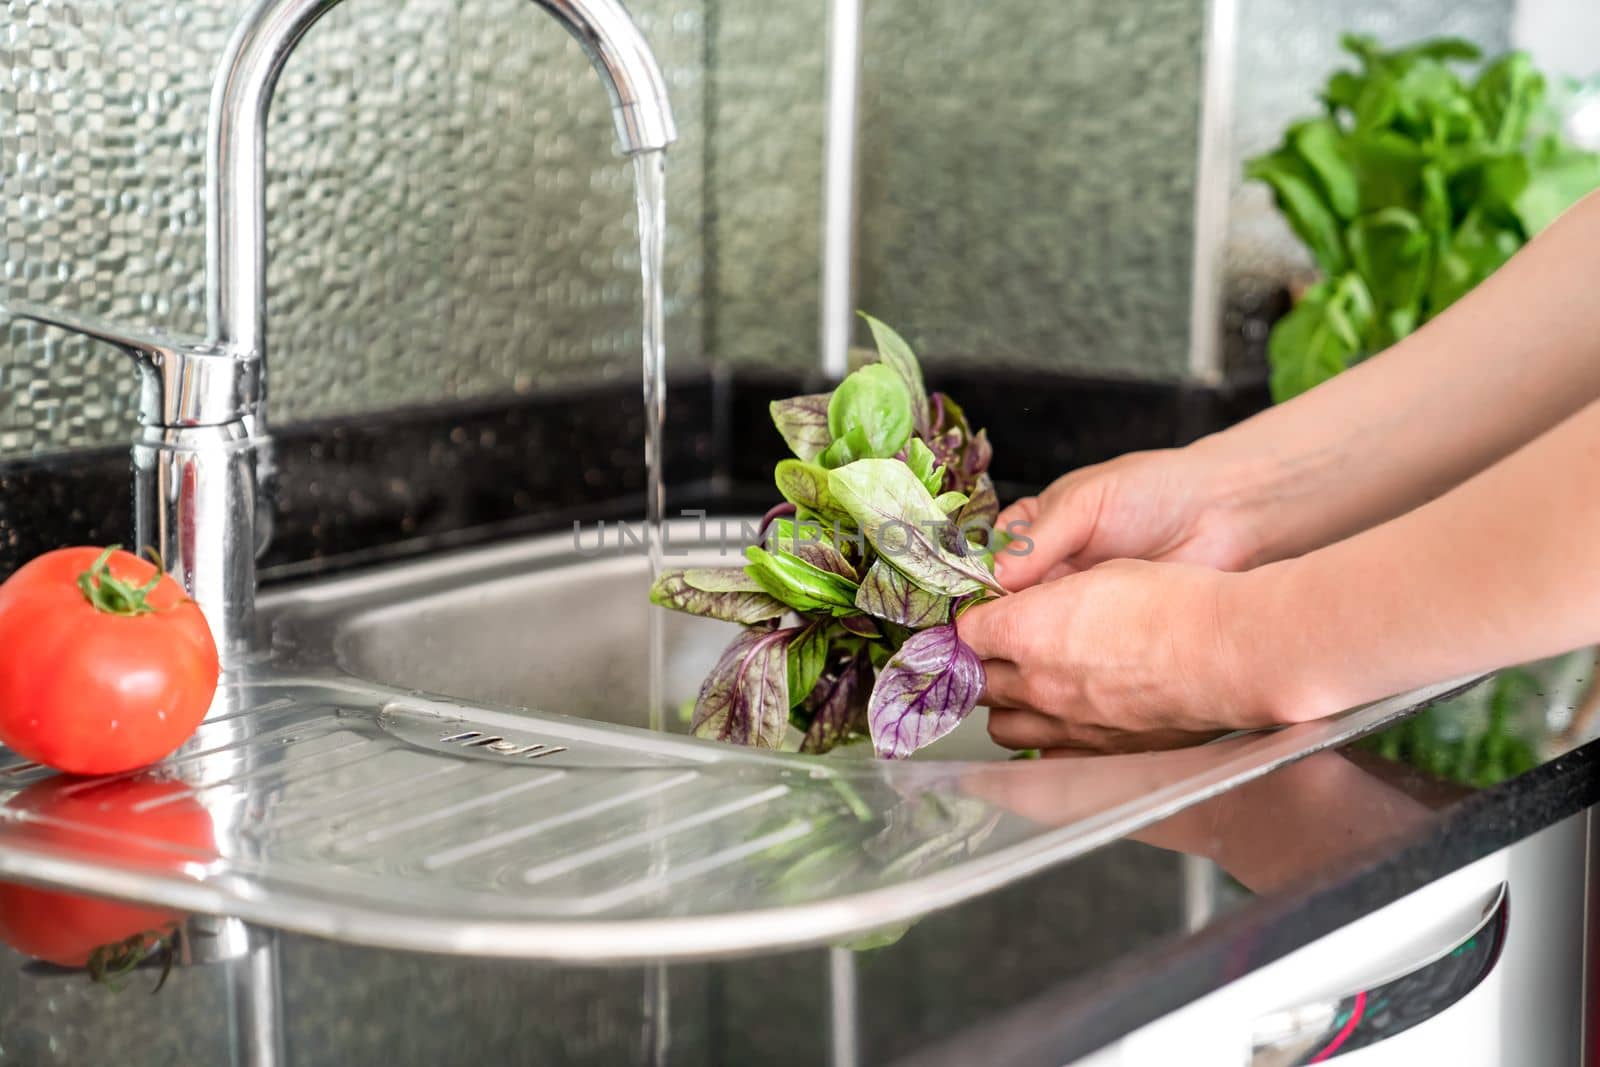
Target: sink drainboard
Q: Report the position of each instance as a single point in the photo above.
(385, 818)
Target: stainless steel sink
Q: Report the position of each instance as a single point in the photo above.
(528, 630)
(450, 756)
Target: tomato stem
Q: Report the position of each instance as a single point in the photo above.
(110, 594)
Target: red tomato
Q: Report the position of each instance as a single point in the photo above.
(106, 680)
(74, 930)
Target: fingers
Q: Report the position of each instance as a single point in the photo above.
(996, 630)
(1048, 530)
(1003, 686)
(1021, 728)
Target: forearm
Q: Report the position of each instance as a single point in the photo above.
(1502, 569)
(1513, 358)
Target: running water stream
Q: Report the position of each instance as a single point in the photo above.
(650, 185)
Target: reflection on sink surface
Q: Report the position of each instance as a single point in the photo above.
(446, 756)
(571, 640)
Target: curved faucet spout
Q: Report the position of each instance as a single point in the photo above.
(236, 258)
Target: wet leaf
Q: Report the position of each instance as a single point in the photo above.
(806, 485)
(725, 593)
(838, 705)
(923, 692)
(810, 542)
(898, 357)
(808, 655)
(872, 401)
(888, 594)
(799, 584)
(898, 516)
(803, 422)
(745, 698)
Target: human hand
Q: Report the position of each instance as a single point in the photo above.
(1169, 505)
(1127, 655)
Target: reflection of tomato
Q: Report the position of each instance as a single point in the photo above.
(75, 930)
(103, 676)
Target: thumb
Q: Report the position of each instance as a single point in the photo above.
(1047, 531)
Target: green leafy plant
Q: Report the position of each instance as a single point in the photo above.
(849, 603)
(1413, 186)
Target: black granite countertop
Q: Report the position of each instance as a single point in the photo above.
(1041, 971)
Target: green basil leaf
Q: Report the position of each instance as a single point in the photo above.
(897, 515)
(738, 600)
(1508, 94)
(1560, 177)
(1477, 250)
(1393, 253)
(1303, 205)
(923, 463)
(811, 542)
(805, 485)
(898, 357)
(1309, 345)
(950, 502)
(847, 449)
(874, 401)
(1320, 144)
(799, 584)
(803, 422)
(807, 656)
(887, 594)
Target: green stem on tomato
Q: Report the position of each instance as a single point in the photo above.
(110, 594)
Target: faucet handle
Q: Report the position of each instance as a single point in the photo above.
(186, 381)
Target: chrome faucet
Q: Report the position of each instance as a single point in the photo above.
(202, 459)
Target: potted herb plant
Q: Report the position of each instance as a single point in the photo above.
(1414, 184)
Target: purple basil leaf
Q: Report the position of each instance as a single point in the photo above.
(923, 692)
(785, 510)
(981, 509)
(725, 593)
(745, 698)
(838, 705)
(860, 625)
(899, 518)
(978, 456)
(803, 422)
(888, 594)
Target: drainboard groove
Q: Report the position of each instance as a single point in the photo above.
(703, 866)
(367, 797)
(461, 852)
(283, 736)
(303, 766)
(555, 868)
(450, 811)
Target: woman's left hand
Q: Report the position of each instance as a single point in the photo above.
(1128, 654)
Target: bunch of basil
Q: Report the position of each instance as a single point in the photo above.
(849, 604)
(1412, 188)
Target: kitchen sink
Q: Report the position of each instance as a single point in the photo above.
(538, 633)
(452, 755)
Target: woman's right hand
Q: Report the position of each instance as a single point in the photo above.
(1172, 505)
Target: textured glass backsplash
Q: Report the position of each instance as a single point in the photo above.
(447, 216)
(1028, 170)
(1286, 50)
(448, 220)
